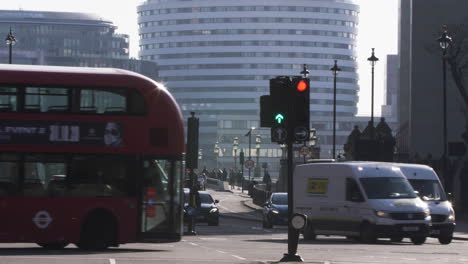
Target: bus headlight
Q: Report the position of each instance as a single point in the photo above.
(382, 214)
(451, 217)
(275, 211)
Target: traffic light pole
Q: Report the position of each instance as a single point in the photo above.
(293, 234)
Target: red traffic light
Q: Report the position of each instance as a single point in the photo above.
(301, 86)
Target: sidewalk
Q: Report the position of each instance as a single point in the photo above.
(461, 229)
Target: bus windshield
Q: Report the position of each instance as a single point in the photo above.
(387, 188)
(429, 190)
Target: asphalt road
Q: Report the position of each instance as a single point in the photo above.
(237, 240)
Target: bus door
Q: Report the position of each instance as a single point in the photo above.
(156, 220)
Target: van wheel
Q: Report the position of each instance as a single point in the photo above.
(309, 233)
(367, 234)
(418, 240)
(396, 239)
(445, 238)
(54, 245)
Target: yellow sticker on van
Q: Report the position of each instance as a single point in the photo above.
(317, 186)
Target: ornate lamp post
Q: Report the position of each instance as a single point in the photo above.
(10, 41)
(235, 146)
(249, 134)
(373, 61)
(335, 71)
(444, 41)
(312, 142)
(258, 142)
(216, 151)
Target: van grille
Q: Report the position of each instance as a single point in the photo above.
(438, 217)
(408, 216)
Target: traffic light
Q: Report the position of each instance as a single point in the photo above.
(266, 113)
(279, 107)
(301, 108)
(191, 156)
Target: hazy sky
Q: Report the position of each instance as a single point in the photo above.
(377, 29)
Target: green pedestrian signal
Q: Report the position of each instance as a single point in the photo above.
(279, 118)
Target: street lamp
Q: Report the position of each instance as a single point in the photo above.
(334, 69)
(373, 61)
(249, 134)
(444, 41)
(216, 151)
(235, 145)
(10, 41)
(312, 142)
(258, 141)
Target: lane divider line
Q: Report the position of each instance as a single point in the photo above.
(237, 257)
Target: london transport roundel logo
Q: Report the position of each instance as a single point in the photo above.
(42, 219)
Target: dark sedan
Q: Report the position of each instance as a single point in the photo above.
(275, 210)
(208, 211)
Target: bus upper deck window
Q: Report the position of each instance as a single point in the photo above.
(8, 99)
(46, 99)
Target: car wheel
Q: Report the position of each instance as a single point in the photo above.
(418, 240)
(54, 245)
(396, 239)
(367, 234)
(445, 237)
(309, 233)
(266, 223)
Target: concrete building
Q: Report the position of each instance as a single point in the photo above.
(421, 87)
(68, 39)
(391, 84)
(217, 56)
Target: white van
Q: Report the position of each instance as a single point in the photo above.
(359, 200)
(426, 182)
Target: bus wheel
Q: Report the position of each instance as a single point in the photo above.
(54, 245)
(98, 232)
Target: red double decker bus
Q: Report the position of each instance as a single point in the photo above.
(88, 156)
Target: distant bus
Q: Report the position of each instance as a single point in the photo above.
(88, 156)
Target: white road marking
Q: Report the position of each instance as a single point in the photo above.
(221, 251)
(213, 238)
(112, 261)
(237, 257)
(193, 244)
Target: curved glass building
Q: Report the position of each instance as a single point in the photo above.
(217, 56)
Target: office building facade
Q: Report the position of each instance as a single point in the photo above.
(217, 56)
(68, 39)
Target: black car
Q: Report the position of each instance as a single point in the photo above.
(275, 210)
(208, 211)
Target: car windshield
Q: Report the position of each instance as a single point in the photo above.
(429, 190)
(205, 198)
(387, 188)
(280, 199)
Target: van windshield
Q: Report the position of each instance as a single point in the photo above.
(429, 190)
(387, 188)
